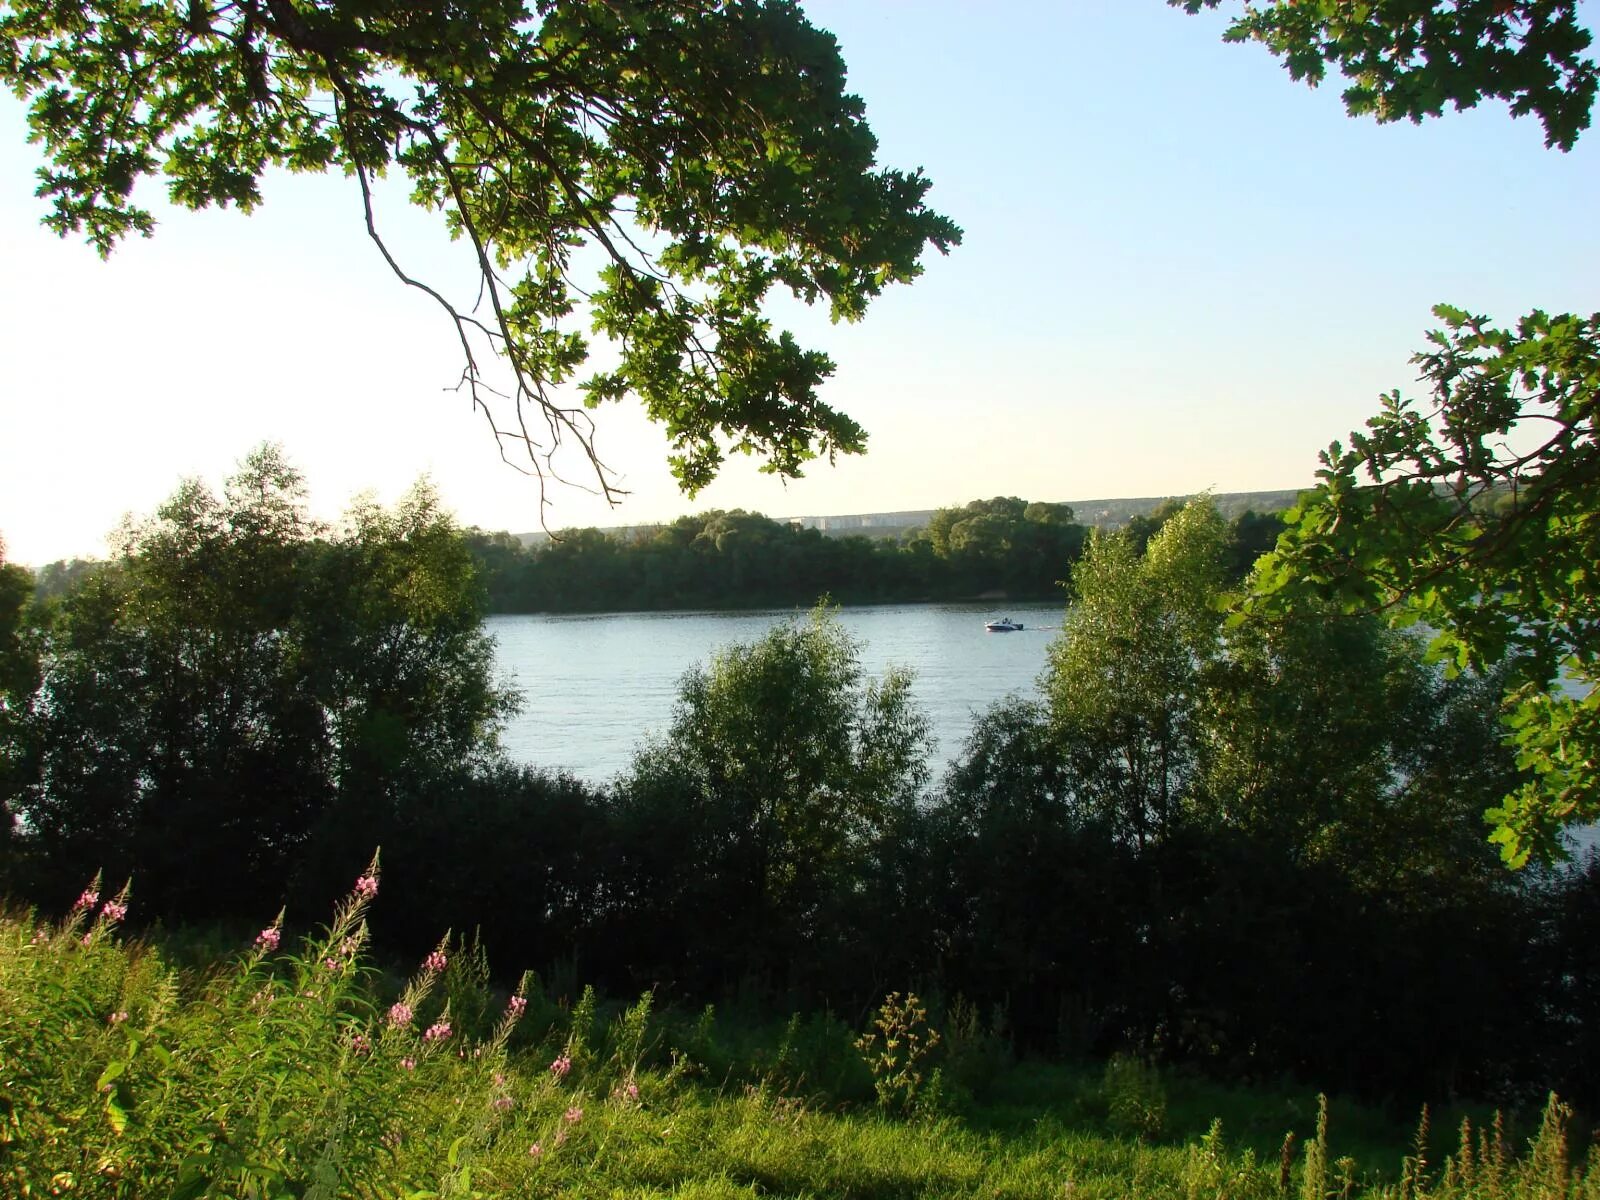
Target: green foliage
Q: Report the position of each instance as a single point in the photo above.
(1211, 1172)
(19, 671)
(1314, 1172)
(896, 1050)
(767, 816)
(465, 983)
(1125, 672)
(629, 1038)
(1006, 544)
(1231, 799)
(738, 559)
(1135, 1098)
(1398, 525)
(1473, 512)
(701, 154)
(239, 681)
(1406, 60)
(56, 579)
(1330, 733)
(274, 1073)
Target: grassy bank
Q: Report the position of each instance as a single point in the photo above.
(273, 1073)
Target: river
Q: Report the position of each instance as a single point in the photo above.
(594, 686)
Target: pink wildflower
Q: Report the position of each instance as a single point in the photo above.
(331, 963)
(561, 1066)
(267, 940)
(360, 1043)
(534, 1150)
(631, 1091)
(573, 1115)
(501, 1104)
(349, 946)
(88, 899)
(113, 912)
(86, 939)
(366, 887)
(400, 1014)
(499, 1079)
(435, 961)
(437, 1032)
(117, 1018)
(409, 1063)
(516, 1006)
(39, 937)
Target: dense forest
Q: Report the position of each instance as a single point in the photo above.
(1254, 847)
(1004, 548)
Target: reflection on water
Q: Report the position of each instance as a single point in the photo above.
(595, 686)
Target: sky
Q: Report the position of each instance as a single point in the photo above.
(1181, 271)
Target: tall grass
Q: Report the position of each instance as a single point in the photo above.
(305, 1072)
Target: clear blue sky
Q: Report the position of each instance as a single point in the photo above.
(1181, 271)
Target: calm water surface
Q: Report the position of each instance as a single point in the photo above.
(595, 685)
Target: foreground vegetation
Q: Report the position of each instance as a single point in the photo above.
(266, 1073)
(1252, 849)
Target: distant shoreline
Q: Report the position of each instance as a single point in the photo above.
(1098, 514)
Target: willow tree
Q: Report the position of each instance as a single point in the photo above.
(644, 172)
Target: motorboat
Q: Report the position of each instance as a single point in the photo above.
(1004, 625)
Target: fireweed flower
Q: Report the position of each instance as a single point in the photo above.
(561, 1066)
(88, 899)
(267, 940)
(333, 964)
(360, 1043)
(366, 887)
(437, 1032)
(117, 1018)
(349, 946)
(516, 1006)
(501, 1104)
(400, 1014)
(534, 1150)
(435, 962)
(409, 1063)
(631, 1091)
(573, 1115)
(113, 912)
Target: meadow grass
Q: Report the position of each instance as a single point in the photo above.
(269, 1073)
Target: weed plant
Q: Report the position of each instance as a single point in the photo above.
(278, 1073)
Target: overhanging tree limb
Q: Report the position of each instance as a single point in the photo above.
(706, 148)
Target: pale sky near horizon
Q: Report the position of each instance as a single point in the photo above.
(1181, 271)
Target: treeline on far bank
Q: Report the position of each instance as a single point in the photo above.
(1254, 847)
(1001, 548)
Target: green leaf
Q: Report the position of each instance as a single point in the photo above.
(113, 1071)
(117, 1114)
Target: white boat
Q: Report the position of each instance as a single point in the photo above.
(1004, 625)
